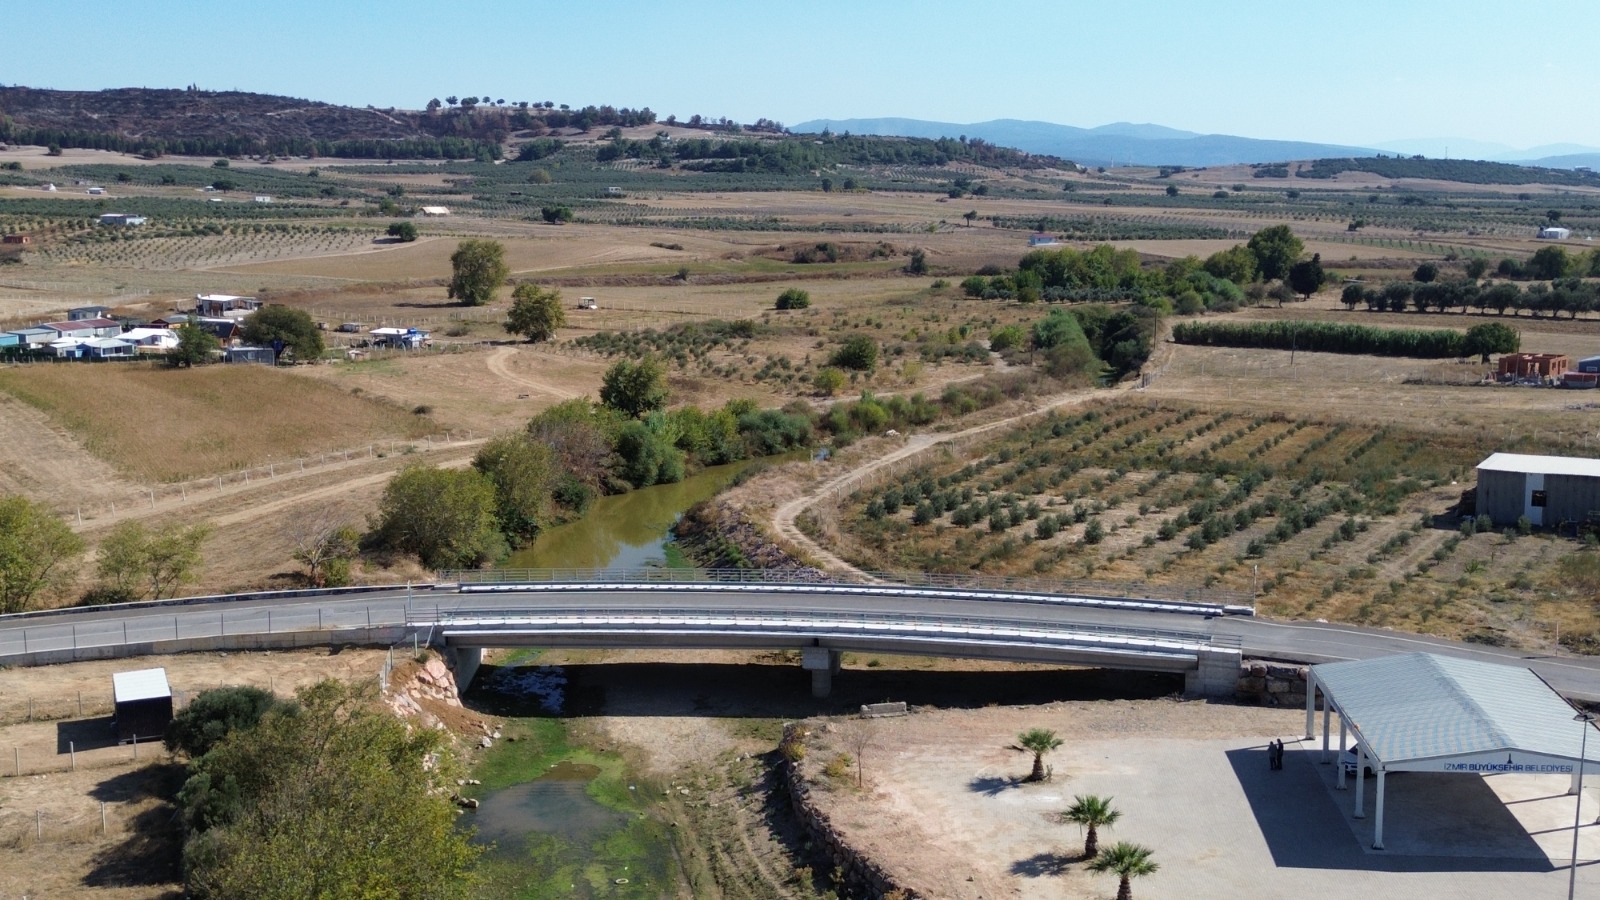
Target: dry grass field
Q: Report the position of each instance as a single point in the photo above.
(158, 425)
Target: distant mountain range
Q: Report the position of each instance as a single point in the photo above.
(1126, 143)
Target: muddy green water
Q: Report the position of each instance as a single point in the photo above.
(628, 531)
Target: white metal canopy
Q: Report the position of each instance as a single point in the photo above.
(1421, 712)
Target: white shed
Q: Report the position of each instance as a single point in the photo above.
(1554, 233)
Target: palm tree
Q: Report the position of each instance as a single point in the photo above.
(1091, 812)
(1128, 861)
(1038, 741)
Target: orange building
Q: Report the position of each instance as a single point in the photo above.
(1534, 365)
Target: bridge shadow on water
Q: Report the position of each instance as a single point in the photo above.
(779, 688)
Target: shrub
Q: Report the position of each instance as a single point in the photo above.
(858, 352)
(793, 298)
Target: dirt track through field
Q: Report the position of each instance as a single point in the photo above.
(499, 363)
(46, 464)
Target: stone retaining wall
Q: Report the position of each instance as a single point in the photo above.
(1272, 684)
(862, 877)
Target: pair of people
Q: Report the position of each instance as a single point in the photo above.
(1275, 754)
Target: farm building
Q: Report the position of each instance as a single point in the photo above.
(1554, 233)
(125, 220)
(222, 304)
(435, 210)
(36, 337)
(1533, 365)
(85, 328)
(399, 338)
(65, 348)
(1589, 364)
(10, 340)
(263, 198)
(87, 312)
(18, 239)
(1042, 240)
(1549, 490)
(143, 704)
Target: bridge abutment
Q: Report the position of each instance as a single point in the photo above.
(1216, 677)
(822, 663)
(464, 662)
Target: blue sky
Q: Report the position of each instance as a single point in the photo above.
(1353, 71)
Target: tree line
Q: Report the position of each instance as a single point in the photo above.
(445, 147)
(1571, 296)
(1334, 337)
(1467, 171)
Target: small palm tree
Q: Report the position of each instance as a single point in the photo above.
(1038, 741)
(1127, 861)
(1091, 812)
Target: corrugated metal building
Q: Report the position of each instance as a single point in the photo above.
(1549, 490)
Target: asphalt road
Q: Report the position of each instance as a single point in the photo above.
(1309, 642)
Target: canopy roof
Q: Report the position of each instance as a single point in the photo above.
(1423, 708)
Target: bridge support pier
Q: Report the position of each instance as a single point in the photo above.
(1217, 676)
(464, 662)
(822, 663)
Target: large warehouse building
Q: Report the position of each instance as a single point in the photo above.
(1549, 490)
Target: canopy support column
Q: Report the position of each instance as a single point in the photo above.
(1344, 738)
(1361, 780)
(1311, 701)
(1377, 834)
(1327, 714)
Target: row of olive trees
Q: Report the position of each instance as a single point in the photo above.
(1567, 295)
(1124, 859)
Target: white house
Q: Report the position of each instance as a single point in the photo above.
(1554, 233)
(263, 198)
(155, 339)
(223, 304)
(1042, 240)
(436, 210)
(107, 348)
(126, 220)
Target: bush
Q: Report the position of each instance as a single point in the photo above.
(828, 381)
(858, 352)
(793, 298)
(214, 714)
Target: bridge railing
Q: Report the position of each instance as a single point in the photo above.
(645, 617)
(935, 580)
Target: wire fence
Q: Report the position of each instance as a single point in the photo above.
(79, 825)
(153, 495)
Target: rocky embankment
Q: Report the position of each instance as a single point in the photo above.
(717, 535)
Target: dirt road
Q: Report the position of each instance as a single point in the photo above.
(500, 364)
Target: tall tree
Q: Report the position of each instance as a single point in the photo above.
(524, 477)
(135, 563)
(334, 798)
(195, 346)
(1092, 812)
(478, 269)
(535, 313)
(1307, 276)
(325, 544)
(1237, 264)
(1126, 861)
(444, 516)
(634, 389)
(295, 327)
(1275, 249)
(37, 550)
(1038, 741)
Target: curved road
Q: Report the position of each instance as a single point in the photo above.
(1307, 642)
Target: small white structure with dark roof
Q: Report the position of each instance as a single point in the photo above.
(1422, 712)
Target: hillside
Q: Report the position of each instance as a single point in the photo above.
(159, 121)
(1121, 143)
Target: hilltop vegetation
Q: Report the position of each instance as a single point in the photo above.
(1466, 171)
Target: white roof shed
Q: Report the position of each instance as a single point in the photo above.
(1421, 712)
(1531, 464)
(142, 684)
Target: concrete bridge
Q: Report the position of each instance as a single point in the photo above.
(1200, 635)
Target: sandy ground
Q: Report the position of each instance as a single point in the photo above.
(51, 838)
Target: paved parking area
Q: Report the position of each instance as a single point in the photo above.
(1225, 825)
